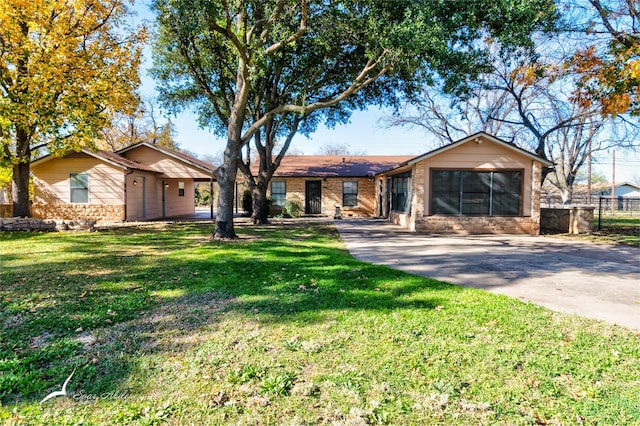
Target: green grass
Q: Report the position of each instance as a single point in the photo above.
(164, 326)
(616, 229)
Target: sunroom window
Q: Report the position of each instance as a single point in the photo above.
(476, 193)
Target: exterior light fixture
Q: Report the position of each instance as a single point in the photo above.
(135, 182)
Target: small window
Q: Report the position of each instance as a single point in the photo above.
(349, 194)
(180, 189)
(278, 193)
(79, 187)
(401, 192)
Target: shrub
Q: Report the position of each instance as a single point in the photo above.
(293, 206)
(247, 202)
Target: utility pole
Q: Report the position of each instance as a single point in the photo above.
(589, 174)
(613, 180)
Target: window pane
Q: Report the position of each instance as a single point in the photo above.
(476, 193)
(445, 192)
(400, 193)
(506, 193)
(349, 194)
(79, 187)
(278, 193)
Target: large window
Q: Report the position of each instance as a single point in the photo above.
(278, 193)
(401, 192)
(79, 187)
(350, 194)
(462, 192)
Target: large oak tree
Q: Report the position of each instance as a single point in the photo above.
(325, 59)
(64, 65)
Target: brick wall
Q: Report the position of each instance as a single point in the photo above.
(332, 195)
(97, 212)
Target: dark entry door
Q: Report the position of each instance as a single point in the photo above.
(313, 195)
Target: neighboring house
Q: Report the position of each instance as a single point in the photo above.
(479, 184)
(140, 182)
(626, 196)
(624, 190)
(330, 184)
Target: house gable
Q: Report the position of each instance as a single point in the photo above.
(174, 165)
(478, 139)
(479, 153)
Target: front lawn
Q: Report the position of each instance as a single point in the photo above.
(161, 325)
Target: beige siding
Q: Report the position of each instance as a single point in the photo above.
(154, 186)
(52, 189)
(170, 167)
(177, 205)
(51, 181)
(144, 199)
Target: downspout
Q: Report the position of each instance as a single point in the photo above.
(164, 199)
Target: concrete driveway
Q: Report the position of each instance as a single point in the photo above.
(593, 280)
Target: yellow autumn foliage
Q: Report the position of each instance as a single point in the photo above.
(63, 65)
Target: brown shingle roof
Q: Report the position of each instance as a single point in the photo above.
(337, 165)
(118, 159)
(205, 166)
(106, 156)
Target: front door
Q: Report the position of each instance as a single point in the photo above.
(313, 196)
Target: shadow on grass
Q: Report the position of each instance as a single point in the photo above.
(96, 301)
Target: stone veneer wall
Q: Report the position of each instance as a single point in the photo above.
(572, 220)
(97, 212)
(6, 210)
(30, 224)
(478, 225)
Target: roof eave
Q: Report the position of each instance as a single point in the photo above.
(170, 154)
(50, 157)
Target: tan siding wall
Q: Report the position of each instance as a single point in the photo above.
(177, 205)
(144, 200)
(171, 168)
(332, 194)
(51, 181)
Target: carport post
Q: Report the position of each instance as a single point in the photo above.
(211, 197)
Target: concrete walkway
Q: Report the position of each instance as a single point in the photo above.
(593, 280)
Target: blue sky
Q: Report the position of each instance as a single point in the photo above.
(364, 133)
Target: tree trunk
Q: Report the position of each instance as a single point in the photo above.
(226, 175)
(260, 215)
(21, 174)
(20, 188)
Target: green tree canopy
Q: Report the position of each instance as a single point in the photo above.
(324, 59)
(64, 64)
